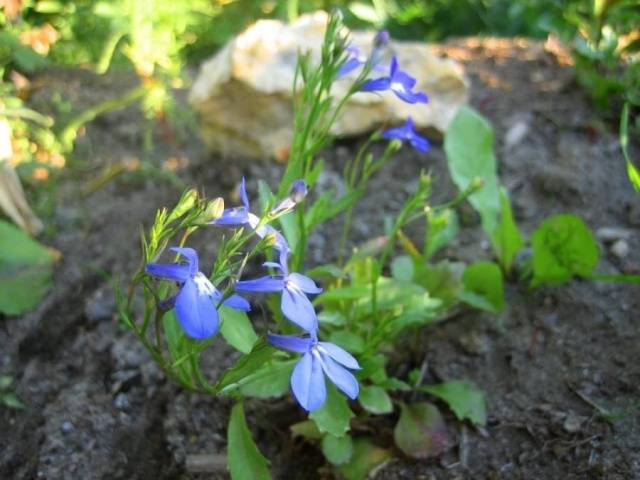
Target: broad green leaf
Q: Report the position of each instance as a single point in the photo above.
(394, 384)
(402, 268)
(335, 415)
(464, 398)
(348, 340)
(506, 238)
(563, 246)
(375, 400)
(337, 450)
(237, 329)
(421, 431)
(307, 429)
(442, 280)
(270, 380)
(366, 456)
(243, 457)
(25, 271)
(442, 227)
(235, 376)
(469, 148)
(632, 171)
(483, 287)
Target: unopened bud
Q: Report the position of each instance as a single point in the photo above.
(381, 39)
(298, 191)
(213, 210)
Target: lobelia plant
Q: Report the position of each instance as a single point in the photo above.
(363, 312)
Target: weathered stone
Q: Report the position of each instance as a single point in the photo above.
(243, 93)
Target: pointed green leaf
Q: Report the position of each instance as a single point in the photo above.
(464, 398)
(244, 459)
(270, 380)
(25, 270)
(11, 400)
(335, 415)
(632, 171)
(483, 287)
(506, 239)
(402, 268)
(421, 431)
(235, 376)
(469, 148)
(442, 227)
(237, 329)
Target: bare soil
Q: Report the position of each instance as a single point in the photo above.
(553, 366)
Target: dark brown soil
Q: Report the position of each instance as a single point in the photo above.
(553, 365)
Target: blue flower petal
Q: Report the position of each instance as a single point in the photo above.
(232, 217)
(263, 285)
(348, 67)
(237, 302)
(298, 309)
(421, 144)
(339, 355)
(171, 271)
(243, 194)
(196, 312)
(307, 383)
(191, 256)
(287, 342)
(340, 376)
(304, 283)
(375, 85)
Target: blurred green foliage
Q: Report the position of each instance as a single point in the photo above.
(157, 39)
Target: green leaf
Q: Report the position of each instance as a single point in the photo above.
(270, 380)
(237, 329)
(349, 292)
(506, 238)
(464, 398)
(11, 400)
(348, 340)
(373, 368)
(327, 207)
(375, 400)
(307, 429)
(335, 415)
(442, 280)
(177, 343)
(366, 456)
(244, 459)
(331, 317)
(632, 171)
(402, 268)
(421, 431)
(469, 148)
(5, 381)
(337, 450)
(25, 270)
(235, 376)
(483, 287)
(563, 246)
(442, 227)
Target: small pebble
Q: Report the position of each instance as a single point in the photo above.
(611, 234)
(620, 249)
(67, 427)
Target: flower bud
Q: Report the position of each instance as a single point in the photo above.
(381, 39)
(298, 191)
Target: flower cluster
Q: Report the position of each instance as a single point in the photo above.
(197, 300)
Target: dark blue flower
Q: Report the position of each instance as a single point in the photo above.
(242, 217)
(407, 133)
(195, 302)
(318, 359)
(399, 82)
(294, 287)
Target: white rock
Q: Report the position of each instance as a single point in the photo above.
(243, 93)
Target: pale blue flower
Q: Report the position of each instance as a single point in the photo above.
(407, 133)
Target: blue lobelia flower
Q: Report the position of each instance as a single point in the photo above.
(355, 60)
(318, 359)
(294, 287)
(297, 194)
(242, 217)
(195, 302)
(399, 82)
(407, 133)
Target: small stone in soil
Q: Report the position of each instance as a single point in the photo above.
(620, 249)
(67, 427)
